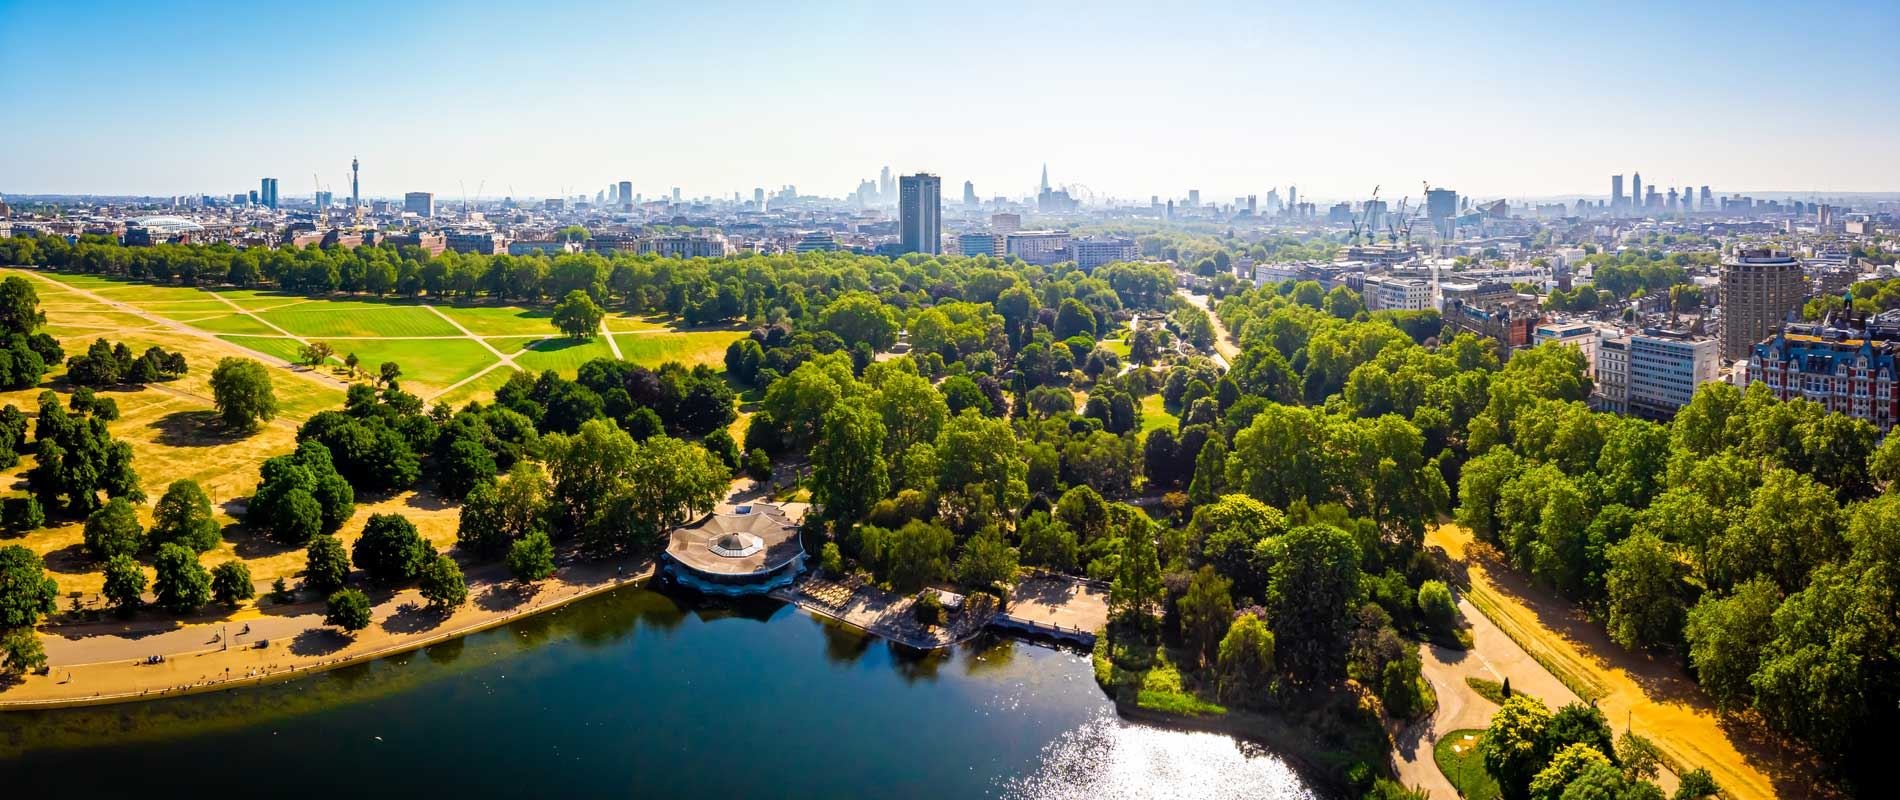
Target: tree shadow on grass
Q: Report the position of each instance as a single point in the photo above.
(428, 500)
(318, 642)
(195, 429)
(71, 560)
(414, 618)
(252, 544)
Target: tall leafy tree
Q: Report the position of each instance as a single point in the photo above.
(243, 393)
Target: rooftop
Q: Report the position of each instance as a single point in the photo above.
(752, 540)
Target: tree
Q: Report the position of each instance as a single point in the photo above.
(125, 584)
(182, 585)
(231, 583)
(326, 565)
(387, 372)
(1246, 659)
(1644, 594)
(861, 317)
(348, 609)
(1312, 588)
(1515, 748)
(352, 362)
(21, 651)
(1137, 585)
(1577, 723)
(466, 463)
(848, 463)
(242, 390)
(1697, 784)
(183, 517)
(442, 583)
(1567, 765)
(25, 591)
(315, 353)
(1047, 542)
(919, 555)
(983, 451)
(1726, 638)
(987, 561)
(114, 530)
(531, 557)
(577, 315)
(1436, 607)
(390, 550)
(22, 514)
(1206, 611)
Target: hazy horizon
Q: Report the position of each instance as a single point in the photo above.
(129, 99)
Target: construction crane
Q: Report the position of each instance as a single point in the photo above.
(1365, 217)
(1392, 221)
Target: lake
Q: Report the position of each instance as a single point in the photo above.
(661, 693)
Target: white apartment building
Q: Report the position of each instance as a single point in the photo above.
(1612, 379)
(1039, 247)
(1581, 335)
(1092, 253)
(1387, 293)
(1665, 367)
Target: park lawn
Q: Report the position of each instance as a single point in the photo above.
(347, 318)
(687, 347)
(1118, 346)
(1460, 759)
(482, 388)
(564, 355)
(428, 365)
(98, 318)
(186, 310)
(254, 299)
(1155, 416)
(282, 347)
(235, 323)
(623, 322)
(136, 293)
(502, 320)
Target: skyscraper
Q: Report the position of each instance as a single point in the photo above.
(267, 193)
(1760, 288)
(758, 199)
(1616, 191)
(626, 196)
(1044, 186)
(885, 188)
(356, 194)
(676, 195)
(1636, 190)
(969, 194)
(1194, 198)
(1708, 200)
(421, 204)
(920, 213)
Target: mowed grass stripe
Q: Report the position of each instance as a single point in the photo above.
(367, 320)
(687, 347)
(427, 366)
(502, 320)
(563, 355)
(234, 323)
(482, 388)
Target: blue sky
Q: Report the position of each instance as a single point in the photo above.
(1496, 100)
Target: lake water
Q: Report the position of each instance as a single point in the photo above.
(649, 693)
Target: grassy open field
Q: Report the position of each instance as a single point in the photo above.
(172, 427)
(1458, 757)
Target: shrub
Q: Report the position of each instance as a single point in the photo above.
(927, 609)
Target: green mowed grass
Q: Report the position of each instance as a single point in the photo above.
(482, 388)
(347, 318)
(1458, 757)
(624, 323)
(141, 292)
(428, 365)
(687, 347)
(502, 320)
(254, 299)
(185, 310)
(282, 347)
(563, 355)
(234, 323)
(1155, 416)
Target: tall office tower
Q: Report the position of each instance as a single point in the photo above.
(1292, 199)
(253, 197)
(676, 195)
(969, 194)
(758, 200)
(1760, 288)
(1194, 198)
(1671, 204)
(1044, 186)
(267, 193)
(884, 186)
(421, 204)
(1616, 191)
(356, 194)
(920, 213)
(626, 196)
(1253, 205)
(1708, 200)
(1636, 190)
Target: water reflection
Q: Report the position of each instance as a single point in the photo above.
(647, 692)
(1109, 759)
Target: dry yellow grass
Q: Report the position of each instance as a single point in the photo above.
(1653, 696)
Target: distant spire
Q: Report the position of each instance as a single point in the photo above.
(1045, 176)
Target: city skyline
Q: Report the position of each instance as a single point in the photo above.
(551, 104)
